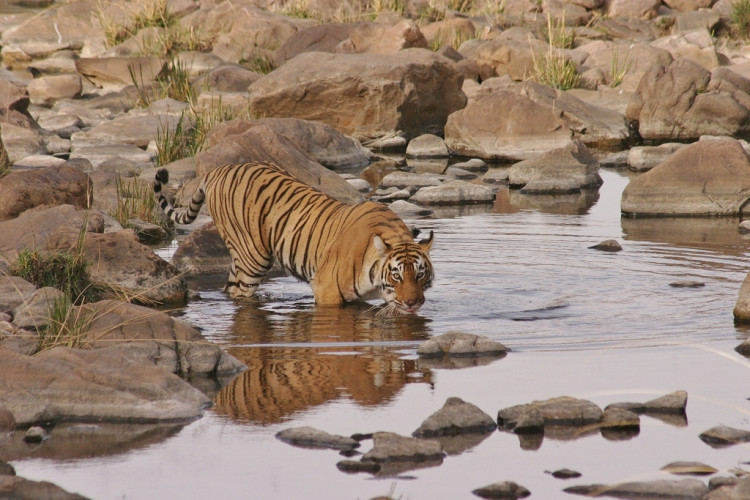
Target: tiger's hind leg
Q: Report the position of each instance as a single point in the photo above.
(245, 277)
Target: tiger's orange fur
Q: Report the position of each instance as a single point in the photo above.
(346, 252)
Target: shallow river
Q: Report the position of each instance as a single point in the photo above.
(580, 322)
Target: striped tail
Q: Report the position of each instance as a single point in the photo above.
(184, 216)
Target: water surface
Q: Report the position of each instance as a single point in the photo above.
(580, 322)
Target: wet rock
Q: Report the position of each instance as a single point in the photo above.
(309, 437)
(388, 447)
(565, 474)
(22, 190)
(561, 170)
(455, 417)
(707, 178)
(461, 344)
(689, 469)
(643, 158)
(69, 384)
(401, 179)
(608, 246)
(744, 227)
(330, 86)
(405, 209)
(35, 435)
(672, 403)
(505, 489)
(353, 466)
(454, 193)
(687, 284)
(722, 436)
(561, 411)
(17, 487)
(427, 146)
(687, 489)
(202, 252)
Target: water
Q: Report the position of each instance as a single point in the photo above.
(580, 322)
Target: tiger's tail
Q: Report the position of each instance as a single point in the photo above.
(183, 216)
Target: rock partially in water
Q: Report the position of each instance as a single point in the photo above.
(619, 424)
(561, 411)
(461, 344)
(687, 284)
(12, 486)
(405, 209)
(203, 252)
(35, 434)
(390, 447)
(455, 417)
(454, 193)
(565, 474)
(409, 180)
(607, 246)
(689, 469)
(505, 489)
(722, 436)
(672, 403)
(684, 489)
(309, 437)
(476, 165)
(729, 489)
(561, 170)
(744, 348)
(353, 466)
(643, 158)
(427, 146)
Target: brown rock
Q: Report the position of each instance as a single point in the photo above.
(22, 190)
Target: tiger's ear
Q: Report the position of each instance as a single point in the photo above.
(381, 246)
(426, 244)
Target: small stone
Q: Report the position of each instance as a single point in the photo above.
(474, 165)
(505, 489)
(687, 284)
(353, 466)
(565, 474)
(689, 469)
(608, 246)
(461, 344)
(35, 435)
(310, 437)
(389, 446)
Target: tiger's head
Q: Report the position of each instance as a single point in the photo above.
(405, 274)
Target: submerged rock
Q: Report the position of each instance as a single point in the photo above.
(309, 437)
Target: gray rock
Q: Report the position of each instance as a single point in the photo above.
(561, 170)
(100, 152)
(505, 489)
(496, 177)
(310, 437)
(360, 185)
(613, 418)
(352, 466)
(476, 165)
(685, 468)
(722, 436)
(454, 193)
(565, 474)
(427, 146)
(35, 312)
(461, 344)
(561, 411)
(405, 209)
(456, 417)
(13, 292)
(686, 489)
(459, 173)
(46, 90)
(408, 179)
(672, 403)
(68, 384)
(643, 158)
(706, 178)
(389, 447)
(728, 491)
(608, 246)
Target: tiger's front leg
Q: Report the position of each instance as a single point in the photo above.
(245, 277)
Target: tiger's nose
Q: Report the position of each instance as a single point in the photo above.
(411, 302)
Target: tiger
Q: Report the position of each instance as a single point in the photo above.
(346, 252)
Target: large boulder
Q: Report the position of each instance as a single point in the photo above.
(24, 189)
(300, 147)
(684, 101)
(562, 170)
(364, 95)
(708, 178)
(102, 385)
(517, 122)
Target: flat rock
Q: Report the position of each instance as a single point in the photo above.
(461, 344)
(454, 193)
(456, 417)
(672, 403)
(685, 468)
(685, 489)
(561, 411)
(309, 437)
(401, 179)
(388, 447)
(505, 489)
(644, 158)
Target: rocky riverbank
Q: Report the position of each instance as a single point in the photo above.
(662, 88)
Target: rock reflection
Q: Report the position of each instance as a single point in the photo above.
(509, 201)
(74, 440)
(711, 233)
(284, 377)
